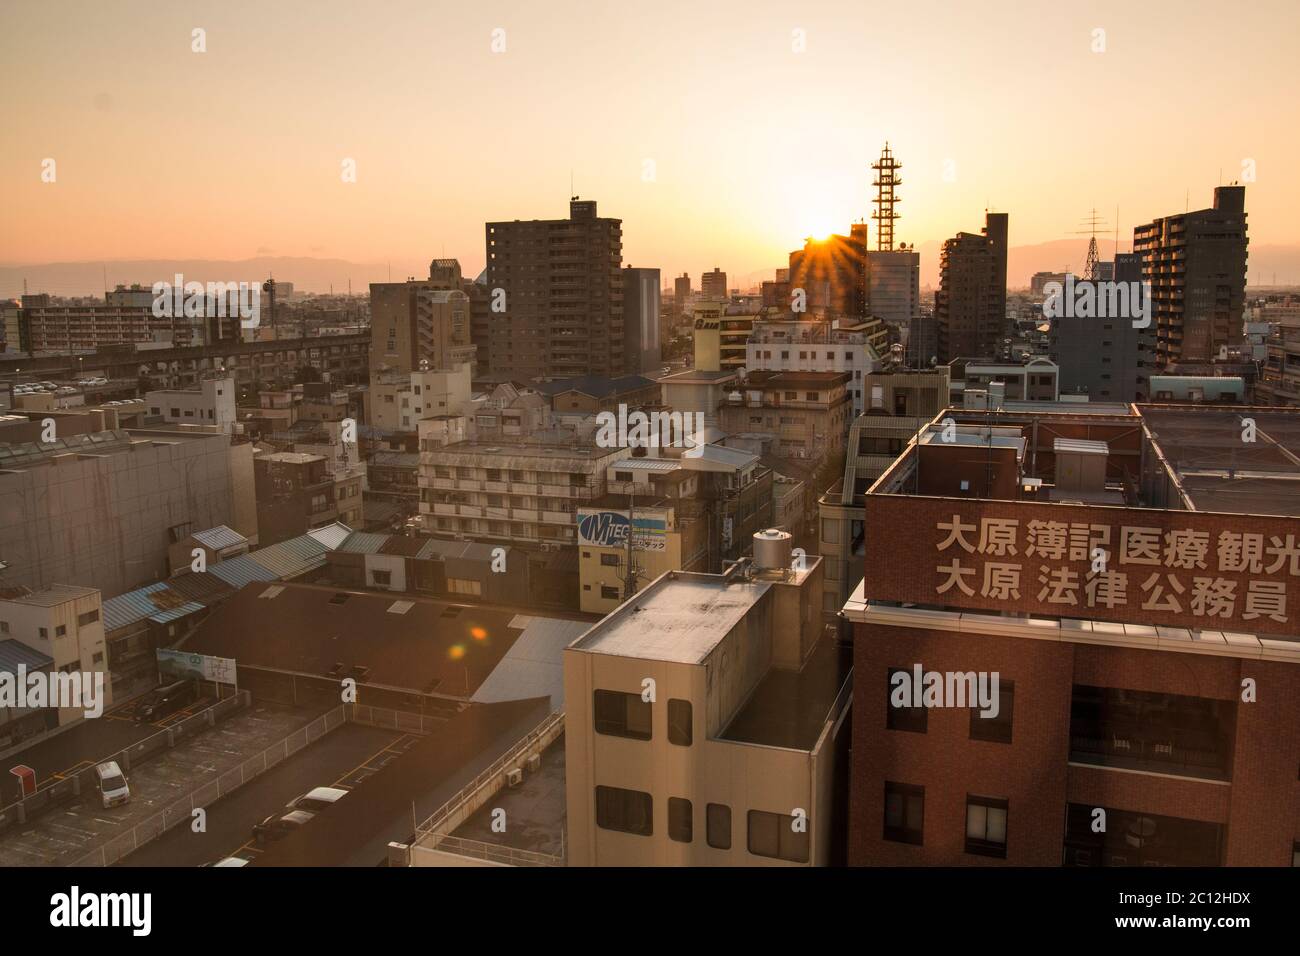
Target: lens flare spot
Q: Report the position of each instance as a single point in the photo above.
(456, 651)
(478, 633)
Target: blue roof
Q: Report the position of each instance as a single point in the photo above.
(242, 570)
(158, 602)
(220, 537)
(13, 653)
(363, 542)
(290, 558)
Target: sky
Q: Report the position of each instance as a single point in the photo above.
(721, 133)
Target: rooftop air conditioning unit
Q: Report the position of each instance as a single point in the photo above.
(514, 776)
(533, 763)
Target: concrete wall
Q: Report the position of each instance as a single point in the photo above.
(103, 521)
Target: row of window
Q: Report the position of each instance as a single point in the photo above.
(986, 820)
(778, 836)
(916, 719)
(90, 617)
(619, 714)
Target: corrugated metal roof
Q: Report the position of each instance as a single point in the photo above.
(242, 570)
(647, 464)
(363, 542)
(157, 602)
(204, 588)
(13, 653)
(332, 535)
(291, 558)
(220, 537)
(171, 614)
(534, 665)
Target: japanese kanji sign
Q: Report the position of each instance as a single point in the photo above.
(1178, 568)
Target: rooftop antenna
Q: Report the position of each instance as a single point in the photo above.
(886, 180)
(1092, 222)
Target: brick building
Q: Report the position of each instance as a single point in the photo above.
(1133, 582)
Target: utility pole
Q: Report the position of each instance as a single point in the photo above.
(629, 579)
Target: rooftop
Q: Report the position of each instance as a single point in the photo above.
(52, 595)
(430, 646)
(13, 653)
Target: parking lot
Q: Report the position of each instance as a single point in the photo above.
(67, 833)
(342, 758)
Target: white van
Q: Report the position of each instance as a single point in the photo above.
(112, 784)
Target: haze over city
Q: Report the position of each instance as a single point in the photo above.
(235, 153)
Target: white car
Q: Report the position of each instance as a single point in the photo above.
(316, 800)
(113, 789)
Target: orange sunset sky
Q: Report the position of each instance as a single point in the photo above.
(162, 152)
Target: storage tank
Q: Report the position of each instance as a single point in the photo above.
(772, 550)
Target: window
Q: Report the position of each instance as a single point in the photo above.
(679, 820)
(44, 632)
(609, 593)
(609, 560)
(679, 722)
(904, 812)
(4, 627)
(622, 476)
(717, 819)
(774, 835)
(996, 729)
(811, 396)
(60, 630)
(628, 811)
(914, 719)
(622, 715)
(97, 657)
(986, 826)
(382, 577)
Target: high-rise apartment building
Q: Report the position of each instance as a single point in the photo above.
(562, 284)
(971, 303)
(641, 351)
(681, 291)
(713, 285)
(832, 273)
(420, 320)
(1108, 359)
(1196, 264)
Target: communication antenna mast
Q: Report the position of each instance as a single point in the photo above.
(1092, 222)
(886, 179)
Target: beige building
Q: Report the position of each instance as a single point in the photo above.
(663, 540)
(510, 491)
(399, 401)
(65, 623)
(684, 745)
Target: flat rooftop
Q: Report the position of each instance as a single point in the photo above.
(535, 811)
(578, 449)
(1218, 470)
(681, 616)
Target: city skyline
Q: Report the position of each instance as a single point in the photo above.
(751, 143)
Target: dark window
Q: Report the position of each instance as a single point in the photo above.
(622, 715)
(910, 718)
(609, 593)
(60, 630)
(996, 729)
(986, 826)
(609, 560)
(679, 819)
(628, 811)
(774, 835)
(679, 722)
(383, 577)
(904, 812)
(718, 822)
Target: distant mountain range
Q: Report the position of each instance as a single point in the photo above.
(1277, 264)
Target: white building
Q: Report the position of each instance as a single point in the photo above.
(789, 346)
(212, 403)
